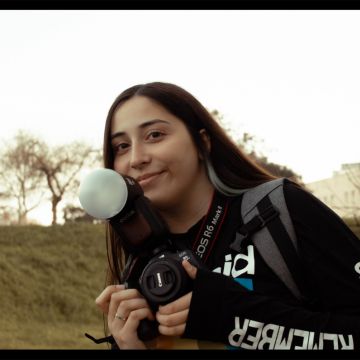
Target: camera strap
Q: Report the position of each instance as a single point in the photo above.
(211, 226)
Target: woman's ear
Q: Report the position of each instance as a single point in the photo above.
(205, 138)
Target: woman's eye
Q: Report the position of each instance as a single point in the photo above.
(153, 135)
(121, 148)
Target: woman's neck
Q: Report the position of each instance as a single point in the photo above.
(193, 207)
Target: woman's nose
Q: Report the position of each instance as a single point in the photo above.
(139, 156)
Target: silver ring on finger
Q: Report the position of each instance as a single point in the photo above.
(120, 317)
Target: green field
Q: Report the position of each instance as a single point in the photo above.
(50, 277)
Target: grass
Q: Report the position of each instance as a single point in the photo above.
(50, 277)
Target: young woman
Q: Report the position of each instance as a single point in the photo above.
(163, 137)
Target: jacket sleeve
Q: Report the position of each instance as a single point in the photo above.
(222, 310)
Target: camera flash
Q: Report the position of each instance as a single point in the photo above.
(103, 193)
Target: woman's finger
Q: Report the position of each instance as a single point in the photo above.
(173, 319)
(103, 300)
(127, 306)
(179, 304)
(124, 331)
(118, 297)
(173, 330)
(190, 269)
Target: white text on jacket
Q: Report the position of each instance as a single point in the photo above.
(257, 335)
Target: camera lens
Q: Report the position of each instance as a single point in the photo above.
(163, 281)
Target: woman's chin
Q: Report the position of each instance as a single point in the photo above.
(158, 199)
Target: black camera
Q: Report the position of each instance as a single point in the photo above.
(160, 276)
(154, 265)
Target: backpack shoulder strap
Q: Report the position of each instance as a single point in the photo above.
(275, 191)
(275, 239)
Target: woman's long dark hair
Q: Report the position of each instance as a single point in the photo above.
(229, 169)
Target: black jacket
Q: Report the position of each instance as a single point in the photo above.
(240, 302)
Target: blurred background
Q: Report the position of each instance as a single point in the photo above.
(284, 84)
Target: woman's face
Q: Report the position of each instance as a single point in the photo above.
(154, 147)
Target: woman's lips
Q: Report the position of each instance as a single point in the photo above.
(148, 178)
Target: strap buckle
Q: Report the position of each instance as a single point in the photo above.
(267, 215)
(255, 224)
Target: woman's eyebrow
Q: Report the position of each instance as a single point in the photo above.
(141, 126)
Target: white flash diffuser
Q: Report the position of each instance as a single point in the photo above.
(103, 193)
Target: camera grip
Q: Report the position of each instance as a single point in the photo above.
(147, 330)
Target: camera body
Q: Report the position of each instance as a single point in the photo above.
(161, 277)
(154, 265)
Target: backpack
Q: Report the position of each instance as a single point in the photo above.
(267, 223)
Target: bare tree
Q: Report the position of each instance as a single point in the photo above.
(61, 165)
(19, 178)
(352, 172)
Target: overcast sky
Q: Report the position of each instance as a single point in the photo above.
(292, 78)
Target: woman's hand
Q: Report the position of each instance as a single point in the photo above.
(172, 317)
(125, 308)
